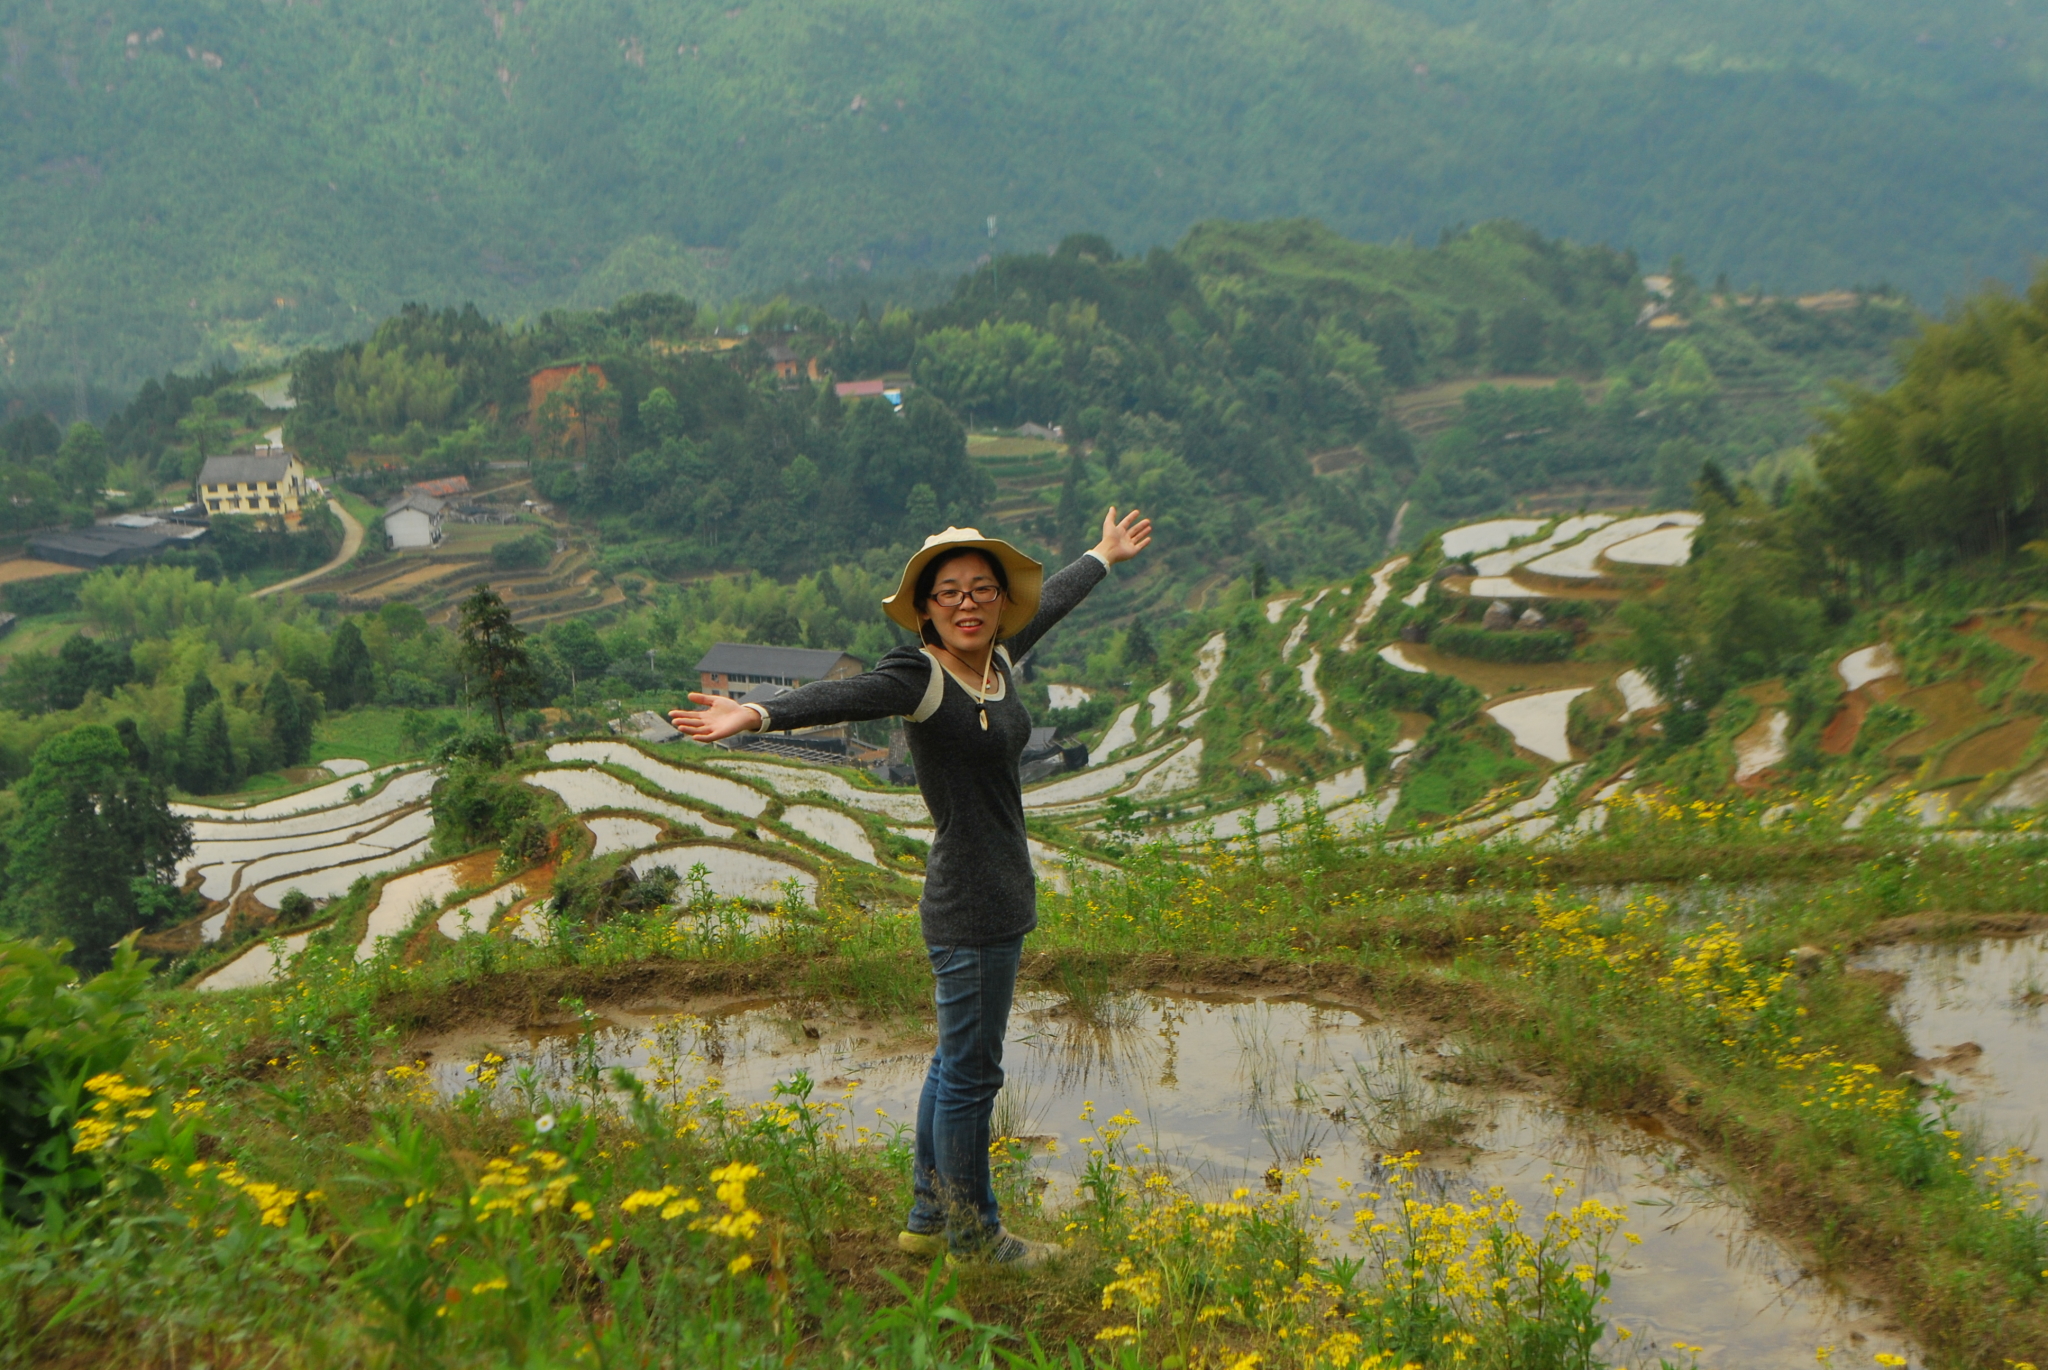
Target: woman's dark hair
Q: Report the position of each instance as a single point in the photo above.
(921, 593)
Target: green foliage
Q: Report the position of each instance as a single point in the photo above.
(290, 711)
(1741, 610)
(48, 595)
(474, 806)
(1470, 640)
(55, 1034)
(1452, 774)
(1954, 457)
(385, 390)
(501, 670)
(525, 553)
(1839, 142)
(91, 845)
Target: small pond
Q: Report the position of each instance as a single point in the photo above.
(1225, 1088)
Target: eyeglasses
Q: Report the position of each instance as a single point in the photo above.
(980, 594)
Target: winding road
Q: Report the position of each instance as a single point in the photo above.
(351, 543)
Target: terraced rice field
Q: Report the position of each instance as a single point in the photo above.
(592, 791)
(691, 784)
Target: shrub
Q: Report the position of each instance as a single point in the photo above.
(473, 807)
(525, 844)
(527, 553)
(1519, 647)
(49, 595)
(57, 1036)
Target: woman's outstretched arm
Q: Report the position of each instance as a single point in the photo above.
(1122, 539)
(894, 687)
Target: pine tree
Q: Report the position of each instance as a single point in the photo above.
(199, 770)
(291, 720)
(206, 763)
(198, 695)
(351, 676)
(492, 653)
(1139, 650)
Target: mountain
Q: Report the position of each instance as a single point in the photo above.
(195, 180)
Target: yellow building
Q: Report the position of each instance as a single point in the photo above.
(253, 483)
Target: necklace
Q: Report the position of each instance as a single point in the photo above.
(981, 695)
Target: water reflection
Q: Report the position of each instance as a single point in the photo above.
(1974, 1012)
(1227, 1088)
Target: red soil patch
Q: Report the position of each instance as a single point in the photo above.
(1839, 737)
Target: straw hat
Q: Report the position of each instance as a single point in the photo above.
(1027, 578)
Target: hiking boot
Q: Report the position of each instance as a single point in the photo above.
(921, 1243)
(1014, 1252)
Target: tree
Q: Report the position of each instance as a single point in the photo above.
(206, 762)
(659, 414)
(82, 461)
(920, 512)
(1518, 339)
(1139, 651)
(1070, 519)
(577, 645)
(206, 426)
(291, 718)
(86, 666)
(94, 847)
(492, 653)
(351, 676)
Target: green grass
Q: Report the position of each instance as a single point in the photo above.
(355, 504)
(372, 733)
(1691, 1016)
(43, 633)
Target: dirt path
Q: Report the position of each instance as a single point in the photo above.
(351, 543)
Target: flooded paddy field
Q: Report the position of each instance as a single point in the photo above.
(1976, 1012)
(1228, 1093)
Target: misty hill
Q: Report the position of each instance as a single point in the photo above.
(187, 178)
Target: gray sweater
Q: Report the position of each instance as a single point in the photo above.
(978, 888)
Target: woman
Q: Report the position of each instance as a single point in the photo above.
(960, 594)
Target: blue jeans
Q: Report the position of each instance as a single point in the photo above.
(953, 1192)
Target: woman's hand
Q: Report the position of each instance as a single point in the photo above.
(1125, 538)
(718, 719)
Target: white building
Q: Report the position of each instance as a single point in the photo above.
(414, 521)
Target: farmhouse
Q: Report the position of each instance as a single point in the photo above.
(414, 521)
(271, 482)
(791, 367)
(831, 743)
(734, 668)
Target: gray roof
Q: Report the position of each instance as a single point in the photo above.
(782, 663)
(426, 504)
(246, 469)
(109, 543)
(648, 726)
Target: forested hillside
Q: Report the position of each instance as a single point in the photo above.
(197, 180)
(1273, 394)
